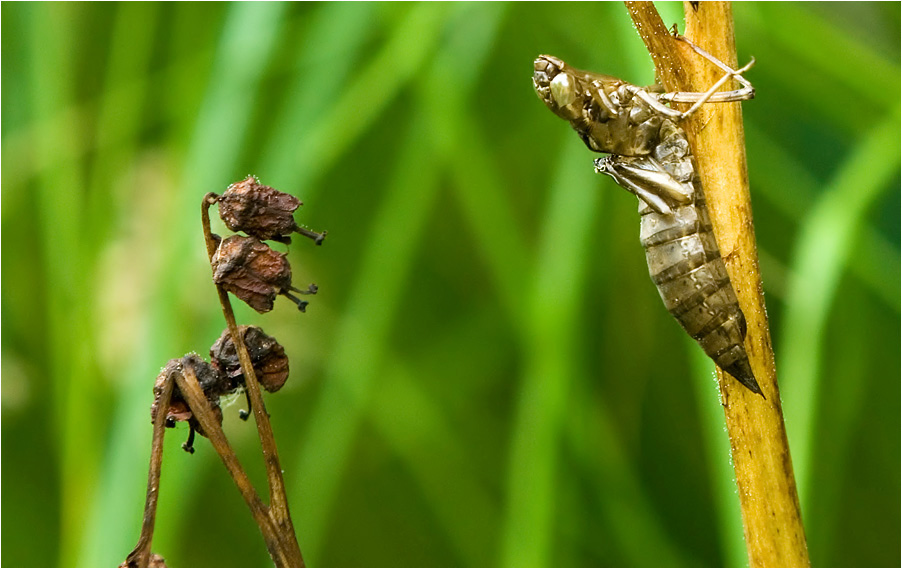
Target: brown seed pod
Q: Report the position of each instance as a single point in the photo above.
(267, 356)
(213, 383)
(261, 211)
(251, 270)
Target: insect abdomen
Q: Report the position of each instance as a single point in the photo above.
(685, 264)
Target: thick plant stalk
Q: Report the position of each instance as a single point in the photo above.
(768, 497)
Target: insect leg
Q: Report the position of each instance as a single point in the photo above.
(711, 95)
(699, 99)
(746, 92)
(654, 101)
(703, 53)
(644, 184)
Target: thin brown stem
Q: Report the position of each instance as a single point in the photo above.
(768, 498)
(200, 407)
(278, 508)
(209, 200)
(141, 554)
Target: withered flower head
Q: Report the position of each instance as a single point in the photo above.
(250, 270)
(262, 212)
(211, 381)
(267, 356)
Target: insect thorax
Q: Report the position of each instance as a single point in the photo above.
(632, 129)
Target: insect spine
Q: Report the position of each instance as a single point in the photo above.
(650, 156)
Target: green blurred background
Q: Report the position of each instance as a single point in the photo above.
(487, 376)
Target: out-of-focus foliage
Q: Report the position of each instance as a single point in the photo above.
(487, 376)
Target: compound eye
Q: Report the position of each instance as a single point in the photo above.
(563, 91)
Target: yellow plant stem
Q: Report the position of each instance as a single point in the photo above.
(768, 497)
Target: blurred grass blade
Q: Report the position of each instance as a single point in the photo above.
(121, 113)
(353, 367)
(415, 426)
(374, 87)
(481, 193)
(478, 184)
(558, 283)
(328, 55)
(850, 402)
(67, 268)
(826, 241)
(791, 188)
(118, 136)
(637, 528)
(362, 335)
(825, 47)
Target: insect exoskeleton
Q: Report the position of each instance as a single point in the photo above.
(650, 156)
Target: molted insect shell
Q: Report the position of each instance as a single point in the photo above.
(650, 156)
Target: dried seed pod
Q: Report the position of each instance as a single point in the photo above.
(267, 356)
(213, 383)
(262, 212)
(252, 271)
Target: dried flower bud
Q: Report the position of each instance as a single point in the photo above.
(267, 356)
(262, 212)
(211, 381)
(250, 270)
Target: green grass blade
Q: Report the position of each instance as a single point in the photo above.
(66, 270)
(786, 185)
(363, 331)
(636, 528)
(374, 87)
(549, 361)
(418, 430)
(362, 334)
(326, 58)
(825, 244)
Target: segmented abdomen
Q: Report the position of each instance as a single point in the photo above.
(685, 264)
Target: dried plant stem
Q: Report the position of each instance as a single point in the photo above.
(141, 554)
(768, 497)
(278, 508)
(200, 407)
